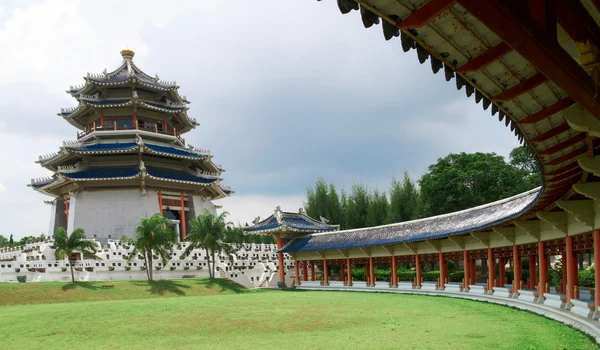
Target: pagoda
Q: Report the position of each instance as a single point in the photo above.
(129, 160)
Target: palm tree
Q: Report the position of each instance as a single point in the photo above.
(65, 246)
(153, 235)
(209, 232)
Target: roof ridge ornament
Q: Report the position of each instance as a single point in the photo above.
(323, 220)
(278, 214)
(301, 211)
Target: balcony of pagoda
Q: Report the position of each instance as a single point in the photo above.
(130, 124)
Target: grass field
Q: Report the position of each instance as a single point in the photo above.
(220, 315)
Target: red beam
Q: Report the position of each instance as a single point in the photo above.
(425, 14)
(579, 151)
(520, 88)
(544, 13)
(551, 133)
(517, 29)
(564, 169)
(547, 112)
(577, 21)
(564, 144)
(488, 57)
(563, 183)
(568, 174)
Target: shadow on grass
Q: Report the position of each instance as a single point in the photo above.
(84, 285)
(164, 287)
(223, 285)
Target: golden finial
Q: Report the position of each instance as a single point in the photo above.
(127, 54)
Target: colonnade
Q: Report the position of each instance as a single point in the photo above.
(538, 254)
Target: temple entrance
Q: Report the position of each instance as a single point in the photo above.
(174, 216)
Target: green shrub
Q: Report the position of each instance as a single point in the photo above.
(586, 279)
(451, 266)
(456, 276)
(431, 276)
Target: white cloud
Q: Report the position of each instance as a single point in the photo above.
(2, 187)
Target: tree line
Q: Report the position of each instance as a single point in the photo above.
(455, 182)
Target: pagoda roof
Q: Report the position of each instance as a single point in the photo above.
(180, 176)
(286, 221)
(103, 148)
(435, 227)
(174, 151)
(103, 173)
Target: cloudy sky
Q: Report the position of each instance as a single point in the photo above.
(285, 91)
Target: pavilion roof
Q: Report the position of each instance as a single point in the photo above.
(435, 227)
(285, 221)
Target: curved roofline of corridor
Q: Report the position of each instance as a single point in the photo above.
(434, 227)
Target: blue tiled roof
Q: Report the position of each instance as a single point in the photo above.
(295, 221)
(100, 147)
(103, 172)
(164, 106)
(43, 184)
(177, 175)
(461, 222)
(174, 151)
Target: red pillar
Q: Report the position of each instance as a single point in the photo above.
(102, 122)
(312, 271)
(372, 271)
(596, 270)
(543, 265)
(394, 272)
(325, 273)
(563, 281)
(466, 269)
(516, 283)
(160, 202)
(532, 272)
(348, 272)
(491, 269)
(501, 272)
(443, 270)
(571, 270)
(280, 262)
(418, 268)
(342, 274)
(182, 217)
(304, 271)
(135, 121)
(297, 268)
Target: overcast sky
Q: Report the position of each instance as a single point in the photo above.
(285, 92)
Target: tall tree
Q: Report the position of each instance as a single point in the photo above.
(357, 207)
(209, 232)
(11, 241)
(67, 247)
(153, 235)
(404, 200)
(336, 215)
(377, 209)
(3, 241)
(317, 200)
(461, 181)
(527, 166)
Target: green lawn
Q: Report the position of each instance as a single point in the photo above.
(276, 319)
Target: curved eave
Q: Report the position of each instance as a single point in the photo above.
(180, 181)
(130, 149)
(75, 179)
(436, 227)
(174, 155)
(500, 78)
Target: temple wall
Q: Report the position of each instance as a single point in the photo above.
(58, 217)
(199, 204)
(115, 213)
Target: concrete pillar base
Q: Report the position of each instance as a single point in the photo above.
(281, 285)
(582, 307)
(555, 300)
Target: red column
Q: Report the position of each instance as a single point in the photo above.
(297, 268)
(325, 273)
(135, 122)
(418, 268)
(280, 262)
(596, 270)
(532, 272)
(443, 270)
(394, 272)
(571, 270)
(349, 272)
(102, 122)
(160, 202)
(563, 281)
(501, 272)
(466, 269)
(543, 264)
(372, 271)
(182, 216)
(491, 269)
(517, 273)
(304, 271)
(312, 271)
(342, 277)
